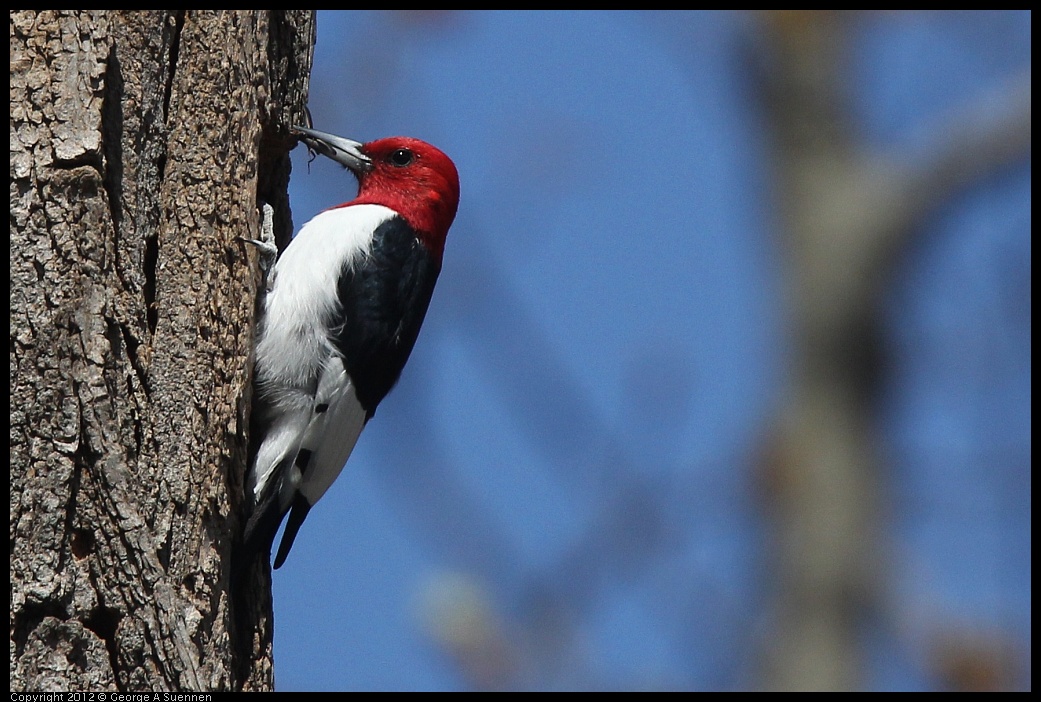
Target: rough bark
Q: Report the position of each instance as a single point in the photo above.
(141, 143)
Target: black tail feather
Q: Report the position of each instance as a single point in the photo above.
(296, 517)
(259, 534)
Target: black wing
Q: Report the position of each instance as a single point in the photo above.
(383, 299)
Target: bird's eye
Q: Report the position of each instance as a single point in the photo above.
(401, 157)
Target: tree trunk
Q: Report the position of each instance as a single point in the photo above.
(141, 143)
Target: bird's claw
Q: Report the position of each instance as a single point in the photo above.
(266, 243)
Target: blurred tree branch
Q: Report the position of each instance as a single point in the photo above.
(847, 216)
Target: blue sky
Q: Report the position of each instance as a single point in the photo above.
(607, 337)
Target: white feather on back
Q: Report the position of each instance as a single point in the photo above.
(332, 434)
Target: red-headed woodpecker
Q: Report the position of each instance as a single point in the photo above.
(343, 309)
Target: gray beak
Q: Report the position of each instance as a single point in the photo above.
(344, 151)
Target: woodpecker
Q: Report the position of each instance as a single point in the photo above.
(343, 309)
